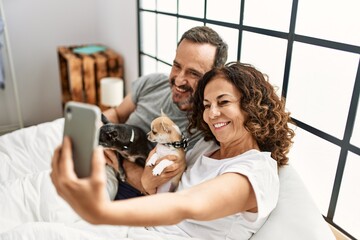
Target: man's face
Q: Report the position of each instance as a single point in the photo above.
(191, 62)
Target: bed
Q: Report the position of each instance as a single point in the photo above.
(30, 206)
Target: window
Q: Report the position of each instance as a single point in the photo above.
(310, 50)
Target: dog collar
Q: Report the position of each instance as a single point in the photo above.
(131, 138)
(179, 144)
(132, 135)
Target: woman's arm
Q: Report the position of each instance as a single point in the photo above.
(225, 195)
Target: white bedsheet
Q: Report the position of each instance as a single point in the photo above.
(29, 205)
(29, 150)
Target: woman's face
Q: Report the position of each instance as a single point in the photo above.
(222, 110)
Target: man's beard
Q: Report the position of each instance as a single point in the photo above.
(183, 102)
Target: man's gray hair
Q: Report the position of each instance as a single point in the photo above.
(203, 34)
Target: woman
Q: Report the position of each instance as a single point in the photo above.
(231, 184)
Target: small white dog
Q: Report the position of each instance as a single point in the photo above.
(170, 141)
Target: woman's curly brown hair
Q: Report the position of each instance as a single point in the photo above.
(267, 119)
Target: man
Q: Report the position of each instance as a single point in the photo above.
(198, 51)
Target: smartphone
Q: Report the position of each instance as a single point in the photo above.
(82, 123)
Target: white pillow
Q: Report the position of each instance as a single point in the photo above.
(296, 215)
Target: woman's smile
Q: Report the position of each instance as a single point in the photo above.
(220, 125)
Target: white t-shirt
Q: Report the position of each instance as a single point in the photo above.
(258, 167)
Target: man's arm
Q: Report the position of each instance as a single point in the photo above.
(142, 180)
(150, 183)
(122, 112)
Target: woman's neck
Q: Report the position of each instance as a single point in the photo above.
(235, 148)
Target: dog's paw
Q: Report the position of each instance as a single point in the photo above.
(161, 166)
(122, 177)
(152, 160)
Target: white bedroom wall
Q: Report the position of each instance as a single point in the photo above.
(118, 21)
(37, 27)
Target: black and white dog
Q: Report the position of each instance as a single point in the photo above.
(129, 142)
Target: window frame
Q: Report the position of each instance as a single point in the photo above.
(291, 37)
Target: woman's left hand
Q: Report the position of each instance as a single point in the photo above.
(87, 196)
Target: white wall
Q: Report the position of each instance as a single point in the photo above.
(37, 27)
(121, 35)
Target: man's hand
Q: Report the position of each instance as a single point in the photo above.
(150, 182)
(111, 159)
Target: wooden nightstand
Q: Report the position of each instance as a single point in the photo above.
(82, 68)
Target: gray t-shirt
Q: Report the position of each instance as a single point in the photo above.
(151, 93)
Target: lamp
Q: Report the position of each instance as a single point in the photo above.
(111, 91)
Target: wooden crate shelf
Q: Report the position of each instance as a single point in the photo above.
(80, 74)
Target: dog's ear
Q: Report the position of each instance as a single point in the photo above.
(165, 126)
(162, 113)
(104, 119)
